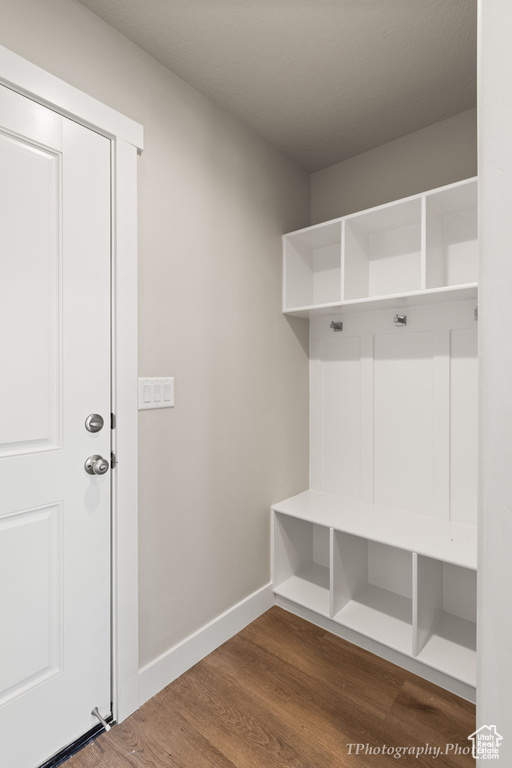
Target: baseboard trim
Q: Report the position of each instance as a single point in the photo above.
(163, 670)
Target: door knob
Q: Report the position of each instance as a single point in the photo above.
(96, 465)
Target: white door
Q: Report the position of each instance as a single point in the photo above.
(54, 372)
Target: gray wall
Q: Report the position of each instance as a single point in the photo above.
(214, 201)
(439, 154)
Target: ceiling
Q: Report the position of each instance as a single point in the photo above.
(321, 80)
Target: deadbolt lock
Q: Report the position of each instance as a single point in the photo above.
(94, 422)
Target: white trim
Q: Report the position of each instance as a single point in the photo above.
(415, 666)
(170, 665)
(30, 80)
(494, 627)
(126, 137)
(125, 587)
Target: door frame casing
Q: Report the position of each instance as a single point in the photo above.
(126, 137)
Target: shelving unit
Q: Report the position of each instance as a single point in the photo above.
(421, 250)
(382, 549)
(342, 566)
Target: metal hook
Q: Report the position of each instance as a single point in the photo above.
(336, 326)
(400, 320)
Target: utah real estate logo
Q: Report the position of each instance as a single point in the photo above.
(486, 743)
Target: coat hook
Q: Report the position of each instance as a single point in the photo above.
(336, 326)
(400, 320)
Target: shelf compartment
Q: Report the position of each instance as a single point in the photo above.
(383, 251)
(445, 617)
(301, 563)
(372, 590)
(312, 266)
(452, 236)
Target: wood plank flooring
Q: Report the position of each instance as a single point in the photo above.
(285, 693)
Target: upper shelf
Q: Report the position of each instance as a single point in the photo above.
(398, 300)
(438, 539)
(421, 250)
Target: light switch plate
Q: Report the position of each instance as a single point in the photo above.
(156, 393)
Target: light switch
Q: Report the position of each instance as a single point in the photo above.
(156, 393)
(168, 393)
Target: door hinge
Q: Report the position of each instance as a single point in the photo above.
(113, 460)
(112, 421)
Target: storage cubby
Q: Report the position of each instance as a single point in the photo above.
(301, 563)
(420, 250)
(445, 635)
(383, 251)
(313, 266)
(372, 590)
(402, 580)
(452, 236)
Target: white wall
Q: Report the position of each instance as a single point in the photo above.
(494, 703)
(439, 154)
(376, 388)
(214, 201)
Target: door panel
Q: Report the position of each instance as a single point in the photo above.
(32, 623)
(54, 517)
(29, 290)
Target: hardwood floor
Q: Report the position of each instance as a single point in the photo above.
(285, 693)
